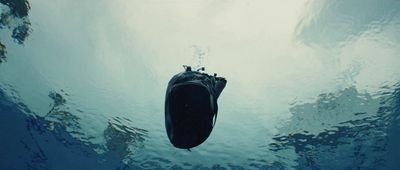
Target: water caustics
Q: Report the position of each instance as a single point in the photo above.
(312, 84)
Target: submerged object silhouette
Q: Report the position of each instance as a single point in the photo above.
(191, 107)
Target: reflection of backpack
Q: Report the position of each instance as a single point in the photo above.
(191, 106)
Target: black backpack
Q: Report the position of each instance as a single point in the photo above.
(191, 107)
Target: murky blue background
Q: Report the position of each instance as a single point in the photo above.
(311, 84)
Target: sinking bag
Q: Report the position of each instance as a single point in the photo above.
(191, 107)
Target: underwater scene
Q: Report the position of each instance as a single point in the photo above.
(307, 84)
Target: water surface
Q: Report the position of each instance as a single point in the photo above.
(311, 84)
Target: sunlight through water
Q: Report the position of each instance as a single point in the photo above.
(311, 84)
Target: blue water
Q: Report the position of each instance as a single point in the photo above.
(311, 84)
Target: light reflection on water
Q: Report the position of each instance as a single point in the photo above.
(312, 85)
